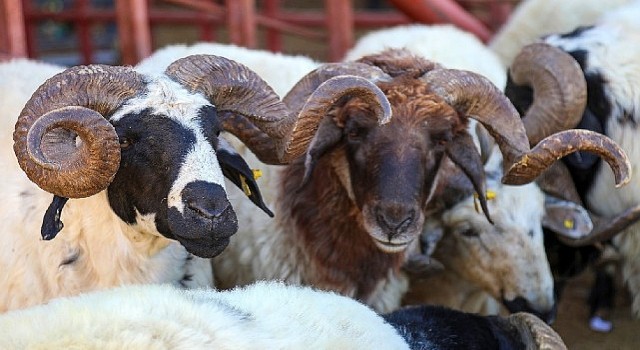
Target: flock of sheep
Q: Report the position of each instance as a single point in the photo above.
(328, 203)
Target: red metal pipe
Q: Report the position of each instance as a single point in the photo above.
(443, 11)
(13, 31)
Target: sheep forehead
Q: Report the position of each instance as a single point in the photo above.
(166, 98)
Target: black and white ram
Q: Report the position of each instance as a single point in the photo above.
(131, 164)
(608, 54)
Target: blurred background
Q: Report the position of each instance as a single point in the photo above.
(72, 32)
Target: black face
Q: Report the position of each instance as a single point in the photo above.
(153, 151)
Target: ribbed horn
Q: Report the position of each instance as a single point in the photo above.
(62, 140)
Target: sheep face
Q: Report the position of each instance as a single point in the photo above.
(506, 259)
(389, 169)
(151, 142)
(169, 176)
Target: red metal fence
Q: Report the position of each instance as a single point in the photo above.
(333, 22)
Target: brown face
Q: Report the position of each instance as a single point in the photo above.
(391, 168)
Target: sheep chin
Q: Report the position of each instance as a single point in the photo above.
(390, 247)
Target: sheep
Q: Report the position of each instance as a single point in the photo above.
(354, 180)
(607, 54)
(484, 262)
(279, 70)
(436, 327)
(150, 204)
(469, 53)
(261, 316)
(445, 44)
(533, 19)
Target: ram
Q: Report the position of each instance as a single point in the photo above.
(132, 165)
(474, 267)
(608, 54)
(348, 211)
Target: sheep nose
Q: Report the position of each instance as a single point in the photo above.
(396, 219)
(204, 199)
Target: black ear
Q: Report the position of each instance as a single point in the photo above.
(237, 170)
(462, 151)
(51, 223)
(327, 136)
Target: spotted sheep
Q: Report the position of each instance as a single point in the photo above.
(122, 173)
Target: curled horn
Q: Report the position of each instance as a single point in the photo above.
(475, 96)
(246, 105)
(535, 333)
(559, 89)
(249, 108)
(320, 90)
(74, 103)
(560, 144)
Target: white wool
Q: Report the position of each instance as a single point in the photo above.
(260, 316)
(445, 44)
(533, 19)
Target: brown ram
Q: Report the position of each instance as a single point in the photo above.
(348, 210)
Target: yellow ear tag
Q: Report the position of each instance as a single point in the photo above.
(568, 223)
(489, 196)
(257, 173)
(245, 187)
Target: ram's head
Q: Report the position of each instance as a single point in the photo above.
(389, 166)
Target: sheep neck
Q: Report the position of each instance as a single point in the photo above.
(328, 227)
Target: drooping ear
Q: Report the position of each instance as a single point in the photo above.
(51, 223)
(237, 170)
(566, 218)
(327, 136)
(462, 151)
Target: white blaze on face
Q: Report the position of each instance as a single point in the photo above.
(169, 99)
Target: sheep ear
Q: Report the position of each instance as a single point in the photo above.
(566, 218)
(327, 136)
(51, 223)
(462, 151)
(237, 170)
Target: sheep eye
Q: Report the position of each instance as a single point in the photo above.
(469, 233)
(125, 143)
(355, 134)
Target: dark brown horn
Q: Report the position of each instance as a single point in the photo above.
(246, 105)
(535, 333)
(70, 104)
(327, 95)
(559, 89)
(475, 96)
(251, 110)
(563, 143)
(322, 89)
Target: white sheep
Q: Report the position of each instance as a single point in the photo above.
(533, 19)
(260, 316)
(446, 44)
(155, 197)
(484, 264)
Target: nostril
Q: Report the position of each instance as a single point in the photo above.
(206, 211)
(395, 220)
